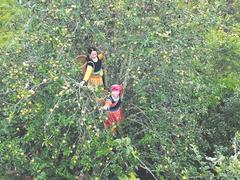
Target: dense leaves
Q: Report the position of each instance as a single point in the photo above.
(178, 62)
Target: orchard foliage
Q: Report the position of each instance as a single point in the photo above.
(10, 21)
(179, 65)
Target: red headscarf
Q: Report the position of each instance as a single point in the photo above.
(117, 87)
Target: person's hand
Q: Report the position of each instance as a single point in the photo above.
(81, 84)
(103, 108)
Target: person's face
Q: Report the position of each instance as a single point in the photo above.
(115, 94)
(93, 55)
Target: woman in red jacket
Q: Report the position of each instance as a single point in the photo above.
(112, 106)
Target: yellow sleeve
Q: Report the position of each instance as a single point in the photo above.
(88, 73)
(101, 56)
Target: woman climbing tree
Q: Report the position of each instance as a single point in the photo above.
(93, 73)
(112, 106)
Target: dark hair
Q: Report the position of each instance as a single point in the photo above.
(91, 49)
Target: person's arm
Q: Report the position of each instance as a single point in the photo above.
(101, 56)
(107, 105)
(88, 73)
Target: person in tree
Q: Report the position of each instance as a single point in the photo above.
(93, 73)
(112, 106)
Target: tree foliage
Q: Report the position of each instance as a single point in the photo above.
(178, 62)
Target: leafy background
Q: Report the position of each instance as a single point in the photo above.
(179, 65)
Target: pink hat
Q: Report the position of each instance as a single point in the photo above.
(117, 87)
